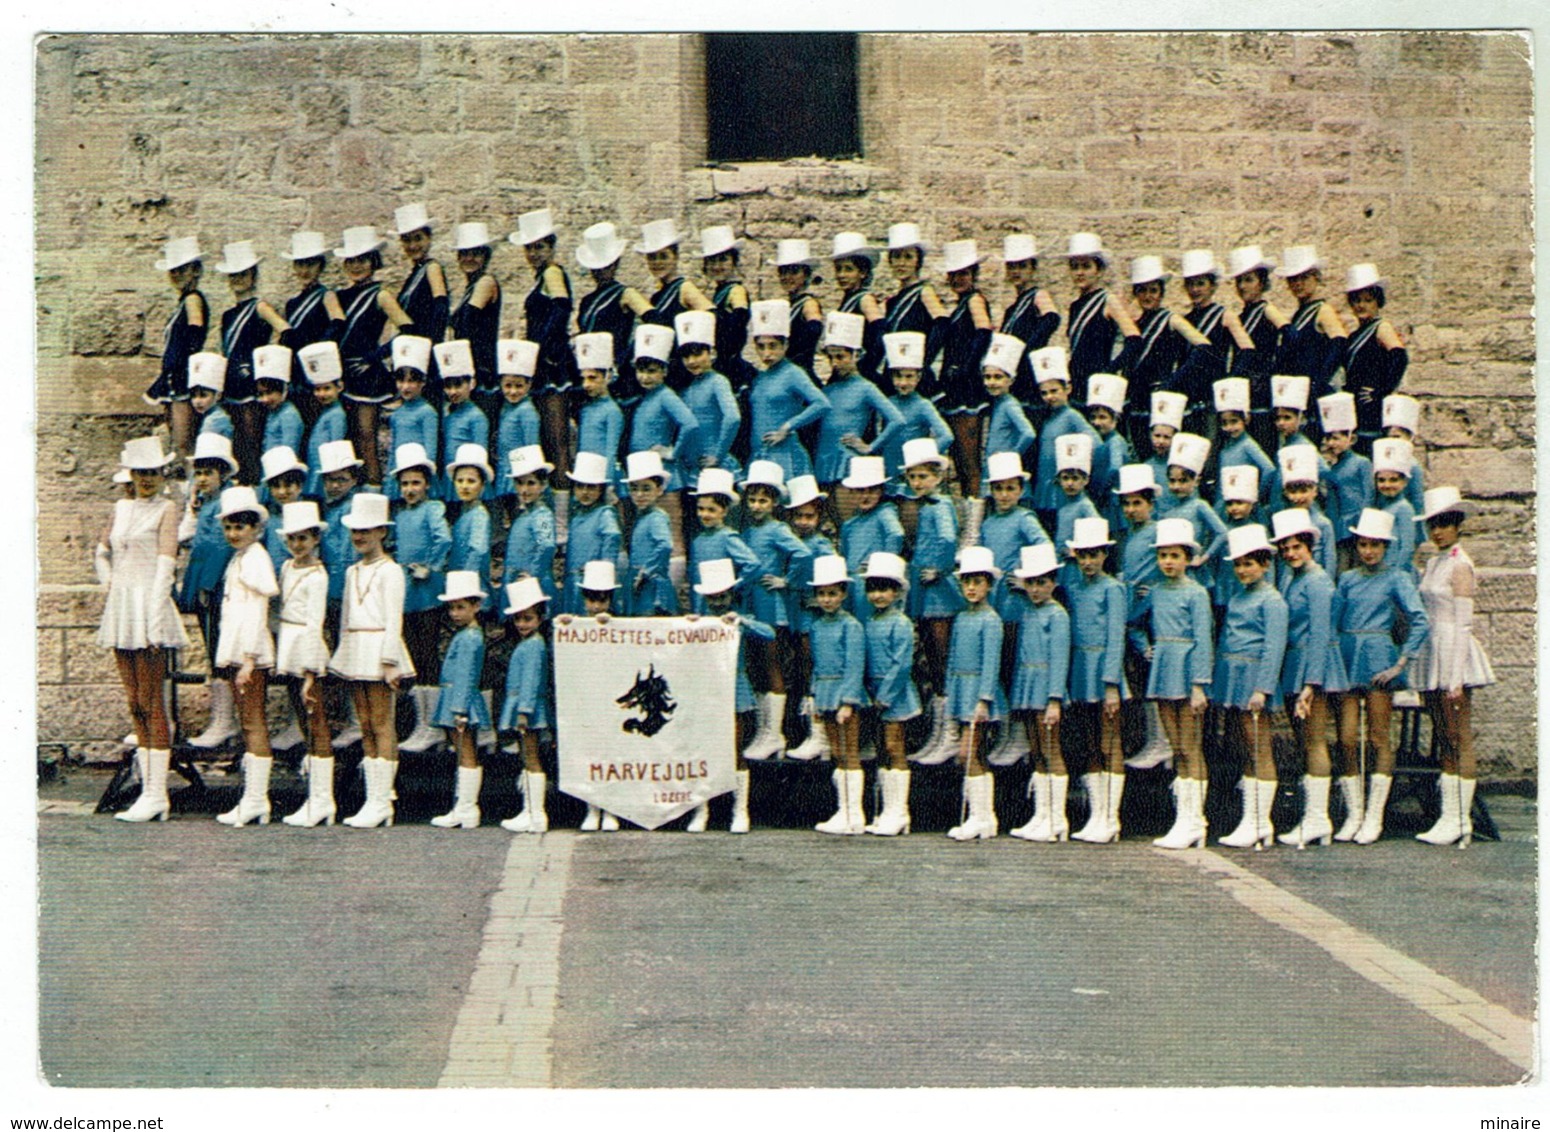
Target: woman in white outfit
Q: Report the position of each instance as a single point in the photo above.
(136, 559)
(1451, 663)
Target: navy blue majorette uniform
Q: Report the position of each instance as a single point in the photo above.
(310, 323)
(365, 377)
(426, 311)
(1035, 328)
(666, 305)
(870, 364)
(242, 332)
(481, 326)
(547, 321)
(1257, 365)
(1210, 321)
(180, 340)
(963, 348)
(1372, 372)
(902, 311)
(1090, 334)
(731, 338)
(1305, 350)
(603, 312)
(802, 342)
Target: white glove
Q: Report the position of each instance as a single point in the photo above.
(1456, 664)
(161, 603)
(188, 525)
(102, 561)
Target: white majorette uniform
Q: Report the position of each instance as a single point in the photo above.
(138, 613)
(1450, 657)
(371, 622)
(303, 604)
(246, 589)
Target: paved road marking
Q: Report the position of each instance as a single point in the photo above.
(502, 1037)
(1449, 1002)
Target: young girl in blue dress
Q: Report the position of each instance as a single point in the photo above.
(709, 395)
(1105, 407)
(460, 710)
(600, 423)
(1096, 685)
(783, 397)
(1187, 457)
(462, 421)
(661, 422)
(933, 596)
(965, 339)
(1235, 447)
(325, 372)
(873, 526)
(1247, 682)
(838, 668)
(1072, 463)
(906, 355)
(1297, 478)
(890, 684)
(1402, 421)
(804, 503)
(1238, 505)
(423, 544)
(415, 421)
(595, 534)
(531, 543)
(529, 695)
(1166, 420)
(1008, 526)
(472, 529)
(182, 337)
(518, 426)
(1053, 381)
(714, 497)
(857, 407)
(1039, 688)
(975, 697)
(1391, 464)
(650, 591)
(1347, 478)
(1006, 424)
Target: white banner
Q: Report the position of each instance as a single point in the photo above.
(644, 708)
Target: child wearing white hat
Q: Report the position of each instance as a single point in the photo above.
(915, 307)
(1186, 460)
(1374, 357)
(595, 533)
(1402, 421)
(1007, 428)
(422, 547)
(208, 554)
(1235, 446)
(1008, 526)
(649, 591)
(861, 419)
(1106, 394)
(283, 425)
(794, 264)
(531, 543)
(1348, 477)
(934, 596)
(247, 325)
(1238, 506)
(1312, 341)
(1391, 464)
(1296, 485)
(371, 656)
(854, 260)
(1052, 373)
(415, 421)
(283, 479)
(966, 339)
(460, 710)
(838, 647)
(714, 495)
(906, 355)
(527, 709)
(610, 308)
(874, 526)
(1167, 418)
(1247, 682)
(518, 424)
(1179, 655)
(368, 310)
(661, 422)
(890, 684)
(600, 421)
(721, 255)
(803, 512)
(1371, 596)
(1095, 317)
(206, 382)
(462, 421)
(324, 371)
(472, 531)
(182, 337)
(783, 399)
(245, 651)
(1136, 495)
(975, 697)
(1071, 472)
(1039, 688)
(709, 394)
(1031, 317)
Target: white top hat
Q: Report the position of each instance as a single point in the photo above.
(1373, 524)
(1004, 353)
(470, 235)
(978, 560)
(1289, 391)
(715, 481)
(1147, 269)
(1074, 451)
(644, 465)
(1400, 410)
(517, 356)
(214, 446)
(1393, 456)
(1292, 521)
(1005, 466)
(122, 476)
(590, 467)
(794, 253)
(410, 351)
(522, 594)
(358, 241)
(1240, 482)
(1240, 261)
(1298, 463)
(717, 576)
(1108, 390)
(1198, 261)
(1360, 276)
(336, 456)
(461, 584)
(1231, 394)
(207, 370)
(1050, 364)
(1135, 478)
(306, 245)
(1168, 408)
(178, 251)
(847, 244)
(717, 239)
(279, 460)
(235, 500)
(1086, 245)
(1189, 451)
(471, 456)
(695, 327)
(272, 363)
(303, 515)
(905, 349)
(1089, 534)
(1176, 532)
(1246, 540)
(1299, 258)
(144, 453)
(653, 343)
(599, 574)
(770, 318)
(1441, 500)
(238, 256)
(411, 455)
(1337, 412)
(1037, 560)
(959, 255)
(368, 509)
(830, 570)
(532, 227)
(594, 351)
(656, 235)
(455, 359)
(842, 329)
(321, 362)
(905, 235)
(866, 471)
(410, 218)
(600, 246)
(922, 450)
(884, 564)
(802, 490)
(528, 459)
(1017, 247)
(766, 472)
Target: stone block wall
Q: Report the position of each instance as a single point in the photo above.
(1412, 150)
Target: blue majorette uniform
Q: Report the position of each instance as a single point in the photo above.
(1139, 571)
(714, 406)
(1071, 509)
(648, 589)
(839, 661)
(547, 322)
(1181, 631)
(1007, 430)
(1401, 552)
(218, 421)
(856, 406)
(516, 427)
(920, 419)
(936, 548)
(974, 665)
(1098, 615)
(336, 550)
(662, 419)
(1349, 482)
(783, 396)
(890, 657)
(1064, 421)
(1369, 602)
(1312, 648)
(414, 422)
(723, 542)
(528, 683)
(462, 424)
(1240, 451)
(283, 427)
(531, 545)
(803, 609)
(1110, 454)
(600, 429)
(1043, 656)
(744, 699)
(1252, 649)
(1005, 534)
(471, 544)
(331, 425)
(423, 538)
(460, 672)
(595, 536)
(781, 553)
(862, 535)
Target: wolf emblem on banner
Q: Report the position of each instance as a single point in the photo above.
(651, 695)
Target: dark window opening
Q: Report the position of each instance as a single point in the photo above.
(773, 95)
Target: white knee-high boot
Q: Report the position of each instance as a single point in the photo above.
(740, 823)
(1355, 808)
(1377, 802)
(1037, 827)
(981, 823)
(464, 813)
(254, 803)
(1315, 827)
(424, 737)
(152, 804)
(223, 718)
(816, 745)
(378, 807)
(533, 818)
(319, 807)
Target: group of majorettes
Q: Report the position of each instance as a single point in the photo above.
(655, 401)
